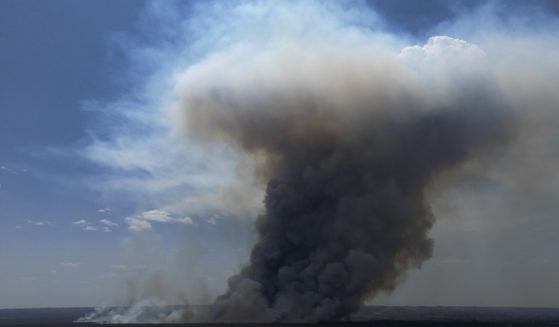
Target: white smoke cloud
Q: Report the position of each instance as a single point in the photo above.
(150, 146)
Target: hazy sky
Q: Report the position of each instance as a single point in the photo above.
(99, 198)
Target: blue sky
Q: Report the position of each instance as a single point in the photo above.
(53, 57)
(94, 186)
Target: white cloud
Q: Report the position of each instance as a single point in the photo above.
(141, 222)
(70, 264)
(108, 222)
(19, 227)
(137, 225)
(443, 47)
(103, 210)
(13, 170)
(80, 222)
(163, 216)
(40, 223)
(212, 221)
(155, 215)
(444, 54)
(184, 220)
(85, 225)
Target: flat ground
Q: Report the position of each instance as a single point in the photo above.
(370, 316)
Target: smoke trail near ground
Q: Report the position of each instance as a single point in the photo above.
(346, 129)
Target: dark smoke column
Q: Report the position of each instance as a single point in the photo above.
(345, 212)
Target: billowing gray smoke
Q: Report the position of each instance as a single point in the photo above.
(353, 134)
(346, 144)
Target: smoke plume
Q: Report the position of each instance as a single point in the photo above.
(347, 142)
(346, 129)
